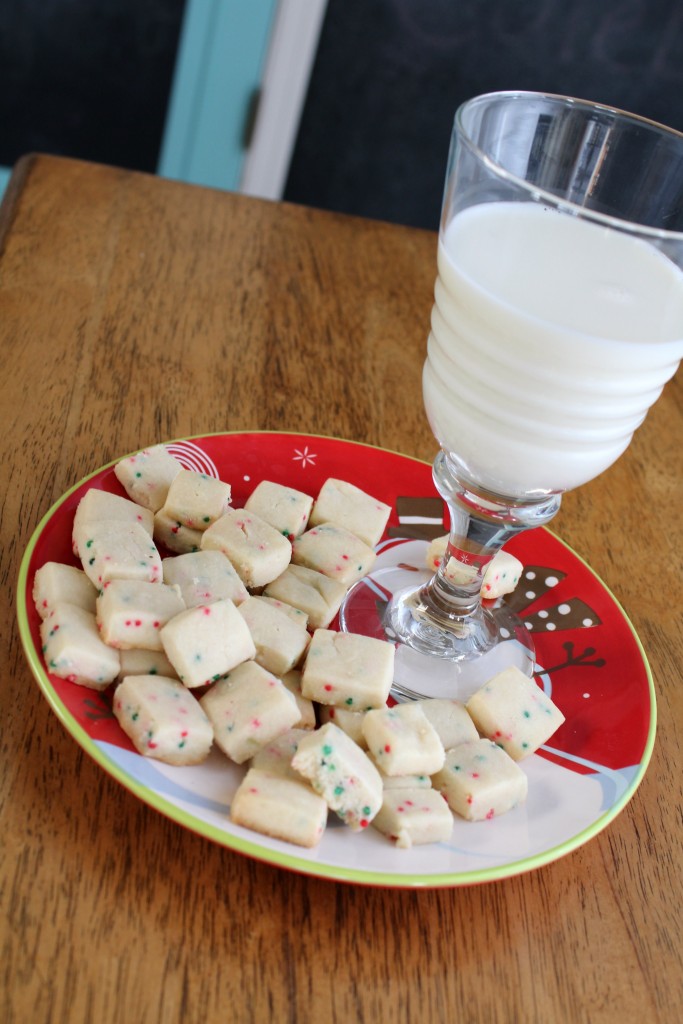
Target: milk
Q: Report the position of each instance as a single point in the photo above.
(551, 337)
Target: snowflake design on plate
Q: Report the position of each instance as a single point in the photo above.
(304, 457)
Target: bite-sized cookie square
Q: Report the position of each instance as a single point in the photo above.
(456, 572)
(249, 709)
(111, 550)
(279, 807)
(514, 712)
(171, 534)
(162, 719)
(403, 741)
(57, 583)
(348, 670)
(280, 642)
(310, 591)
(414, 817)
(295, 614)
(138, 662)
(436, 549)
(96, 506)
(479, 780)
(147, 475)
(204, 577)
(258, 552)
(307, 719)
(131, 613)
(450, 719)
(196, 500)
(335, 552)
(341, 773)
(500, 577)
(286, 509)
(350, 722)
(73, 649)
(206, 642)
(276, 757)
(403, 781)
(346, 505)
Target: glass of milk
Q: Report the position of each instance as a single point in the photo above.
(558, 318)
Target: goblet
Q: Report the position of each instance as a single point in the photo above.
(558, 318)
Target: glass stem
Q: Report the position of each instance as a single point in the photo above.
(480, 525)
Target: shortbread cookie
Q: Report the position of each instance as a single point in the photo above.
(171, 533)
(348, 670)
(280, 642)
(341, 773)
(196, 500)
(138, 662)
(111, 550)
(131, 613)
(501, 575)
(147, 475)
(258, 552)
(295, 614)
(350, 722)
(413, 817)
(314, 593)
(403, 781)
(479, 780)
(248, 709)
(163, 719)
(285, 508)
(403, 741)
(335, 552)
(57, 583)
(514, 712)
(451, 720)
(346, 505)
(276, 757)
(307, 719)
(73, 649)
(204, 577)
(279, 807)
(206, 642)
(95, 506)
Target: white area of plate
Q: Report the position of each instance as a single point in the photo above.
(561, 804)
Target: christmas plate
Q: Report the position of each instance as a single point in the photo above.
(589, 660)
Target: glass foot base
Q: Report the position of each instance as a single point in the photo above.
(431, 660)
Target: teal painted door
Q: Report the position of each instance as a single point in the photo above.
(222, 49)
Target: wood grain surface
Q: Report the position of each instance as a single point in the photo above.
(134, 310)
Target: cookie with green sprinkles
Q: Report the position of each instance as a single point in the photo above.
(205, 642)
(283, 808)
(480, 781)
(341, 773)
(74, 650)
(514, 712)
(346, 505)
(196, 500)
(335, 552)
(162, 719)
(285, 508)
(147, 475)
(348, 670)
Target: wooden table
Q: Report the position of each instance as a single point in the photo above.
(135, 310)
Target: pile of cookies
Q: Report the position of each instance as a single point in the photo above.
(226, 641)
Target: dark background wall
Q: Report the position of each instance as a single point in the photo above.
(390, 74)
(90, 78)
(86, 78)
